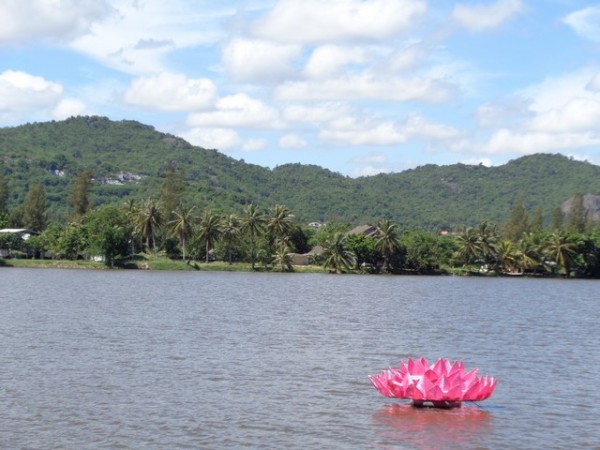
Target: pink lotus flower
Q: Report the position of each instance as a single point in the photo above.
(442, 385)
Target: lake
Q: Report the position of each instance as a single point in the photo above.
(182, 360)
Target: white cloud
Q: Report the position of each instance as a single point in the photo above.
(257, 60)
(486, 16)
(352, 131)
(318, 114)
(213, 138)
(70, 107)
(254, 145)
(493, 115)
(419, 127)
(237, 110)
(594, 84)
(171, 92)
(138, 36)
(586, 22)
(506, 141)
(374, 164)
(20, 92)
(316, 21)
(328, 60)
(292, 141)
(60, 20)
(579, 114)
(365, 87)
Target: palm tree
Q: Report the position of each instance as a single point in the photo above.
(387, 241)
(182, 225)
(509, 256)
(282, 257)
(231, 234)
(253, 222)
(280, 224)
(209, 231)
(131, 212)
(468, 247)
(148, 222)
(336, 254)
(561, 248)
(530, 251)
(487, 235)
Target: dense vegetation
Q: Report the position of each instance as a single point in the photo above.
(129, 161)
(270, 239)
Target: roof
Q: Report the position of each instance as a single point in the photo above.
(14, 230)
(367, 230)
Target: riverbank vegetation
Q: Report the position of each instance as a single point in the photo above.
(166, 233)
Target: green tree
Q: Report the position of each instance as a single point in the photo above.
(107, 233)
(518, 223)
(537, 222)
(34, 208)
(576, 219)
(560, 248)
(280, 223)
(148, 221)
(79, 197)
(231, 234)
(182, 225)
(253, 222)
(469, 249)
(531, 251)
(282, 259)
(4, 194)
(336, 255)
(487, 236)
(209, 231)
(73, 242)
(172, 191)
(508, 255)
(387, 242)
(365, 251)
(557, 219)
(423, 252)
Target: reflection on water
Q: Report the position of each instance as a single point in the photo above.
(432, 428)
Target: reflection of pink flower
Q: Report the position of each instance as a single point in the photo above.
(442, 384)
(431, 429)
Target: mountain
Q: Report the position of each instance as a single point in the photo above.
(129, 160)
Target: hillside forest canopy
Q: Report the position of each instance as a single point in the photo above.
(90, 187)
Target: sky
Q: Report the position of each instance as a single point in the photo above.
(359, 87)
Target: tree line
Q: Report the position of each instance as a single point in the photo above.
(268, 238)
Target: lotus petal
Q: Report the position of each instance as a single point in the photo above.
(443, 384)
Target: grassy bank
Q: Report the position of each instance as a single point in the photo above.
(147, 262)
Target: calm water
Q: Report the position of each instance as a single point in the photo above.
(132, 360)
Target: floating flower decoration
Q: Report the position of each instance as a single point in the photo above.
(442, 385)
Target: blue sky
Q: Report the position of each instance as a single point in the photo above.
(357, 86)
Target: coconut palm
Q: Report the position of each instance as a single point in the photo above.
(209, 231)
(280, 223)
(530, 251)
(253, 222)
(231, 234)
(509, 256)
(468, 247)
(148, 222)
(387, 241)
(336, 254)
(282, 258)
(561, 249)
(130, 207)
(182, 225)
(487, 236)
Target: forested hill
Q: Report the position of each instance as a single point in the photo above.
(129, 160)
